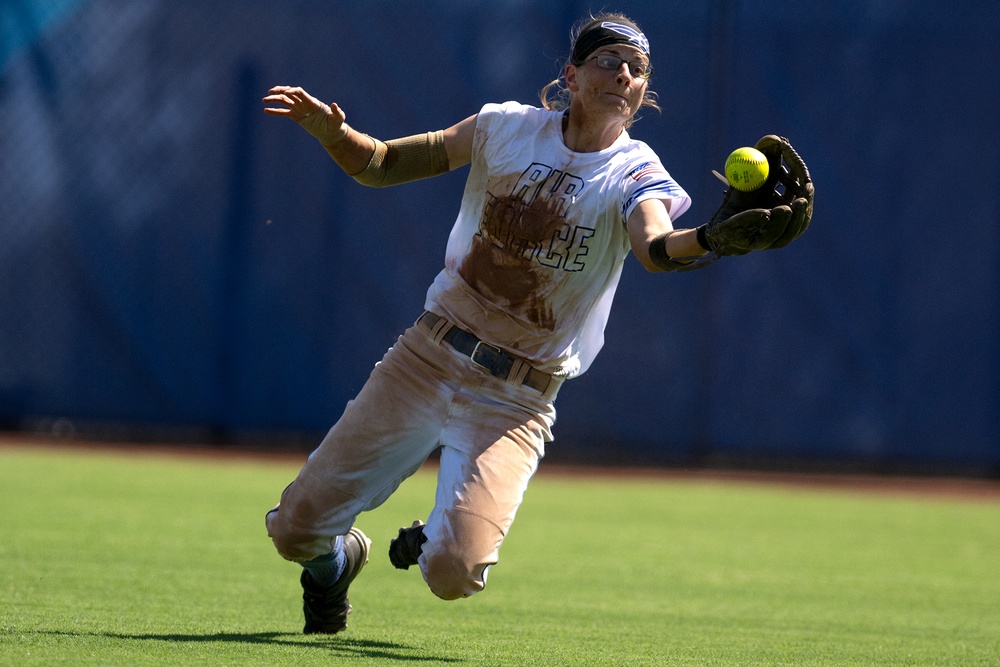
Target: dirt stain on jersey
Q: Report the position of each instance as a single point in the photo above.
(501, 265)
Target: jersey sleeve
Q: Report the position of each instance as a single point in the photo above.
(486, 122)
(649, 180)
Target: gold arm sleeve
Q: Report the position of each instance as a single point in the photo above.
(404, 160)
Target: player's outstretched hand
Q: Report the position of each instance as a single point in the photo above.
(323, 121)
(773, 215)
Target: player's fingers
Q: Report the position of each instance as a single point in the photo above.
(277, 111)
(282, 98)
(285, 95)
(286, 89)
(337, 113)
(292, 96)
(275, 99)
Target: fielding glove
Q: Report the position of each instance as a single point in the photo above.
(773, 215)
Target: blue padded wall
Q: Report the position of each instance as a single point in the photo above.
(171, 258)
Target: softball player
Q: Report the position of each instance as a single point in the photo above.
(556, 198)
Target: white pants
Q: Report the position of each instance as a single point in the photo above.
(421, 396)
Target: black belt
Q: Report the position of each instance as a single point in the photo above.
(489, 357)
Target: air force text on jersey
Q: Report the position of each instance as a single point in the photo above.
(533, 221)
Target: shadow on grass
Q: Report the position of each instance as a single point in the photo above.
(337, 645)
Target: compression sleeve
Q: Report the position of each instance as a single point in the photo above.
(404, 160)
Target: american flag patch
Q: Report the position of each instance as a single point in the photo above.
(645, 169)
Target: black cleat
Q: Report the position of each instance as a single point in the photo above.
(326, 609)
(405, 549)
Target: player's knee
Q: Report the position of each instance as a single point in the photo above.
(458, 553)
(293, 542)
(285, 540)
(450, 577)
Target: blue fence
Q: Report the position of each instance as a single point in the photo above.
(172, 260)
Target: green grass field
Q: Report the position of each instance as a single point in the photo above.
(116, 559)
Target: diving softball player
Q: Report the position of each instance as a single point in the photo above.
(555, 200)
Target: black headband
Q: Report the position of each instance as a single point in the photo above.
(604, 33)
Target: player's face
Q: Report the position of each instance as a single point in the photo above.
(613, 79)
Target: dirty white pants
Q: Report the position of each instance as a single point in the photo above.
(423, 395)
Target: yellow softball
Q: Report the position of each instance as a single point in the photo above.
(746, 169)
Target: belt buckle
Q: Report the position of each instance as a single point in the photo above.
(492, 359)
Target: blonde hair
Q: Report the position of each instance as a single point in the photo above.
(556, 97)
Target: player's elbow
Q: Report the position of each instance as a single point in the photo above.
(371, 184)
(650, 266)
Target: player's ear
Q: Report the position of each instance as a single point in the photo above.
(570, 78)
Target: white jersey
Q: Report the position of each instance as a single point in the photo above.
(534, 258)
